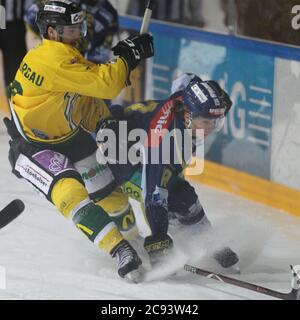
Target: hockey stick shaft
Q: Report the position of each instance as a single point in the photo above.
(147, 17)
(293, 295)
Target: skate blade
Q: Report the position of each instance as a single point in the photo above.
(136, 276)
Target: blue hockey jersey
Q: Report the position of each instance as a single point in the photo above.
(166, 150)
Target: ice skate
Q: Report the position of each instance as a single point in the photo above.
(129, 263)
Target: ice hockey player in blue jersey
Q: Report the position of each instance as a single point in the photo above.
(161, 186)
(103, 24)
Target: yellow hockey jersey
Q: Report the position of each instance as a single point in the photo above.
(56, 91)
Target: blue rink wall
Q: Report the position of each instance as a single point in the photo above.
(262, 133)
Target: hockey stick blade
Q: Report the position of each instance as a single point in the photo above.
(10, 212)
(293, 295)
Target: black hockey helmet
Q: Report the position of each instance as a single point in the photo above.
(59, 13)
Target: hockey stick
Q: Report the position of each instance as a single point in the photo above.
(147, 17)
(145, 24)
(10, 212)
(293, 295)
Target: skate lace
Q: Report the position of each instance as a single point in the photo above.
(124, 255)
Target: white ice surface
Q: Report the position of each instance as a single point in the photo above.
(46, 258)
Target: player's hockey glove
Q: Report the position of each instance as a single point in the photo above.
(158, 247)
(11, 129)
(123, 146)
(14, 143)
(135, 49)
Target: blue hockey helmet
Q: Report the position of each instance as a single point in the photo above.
(206, 105)
(206, 99)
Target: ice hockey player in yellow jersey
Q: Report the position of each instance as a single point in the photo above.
(56, 100)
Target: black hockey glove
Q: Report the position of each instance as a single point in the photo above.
(123, 145)
(11, 129)
(158, 248)
(135, 49)
(14, 143)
